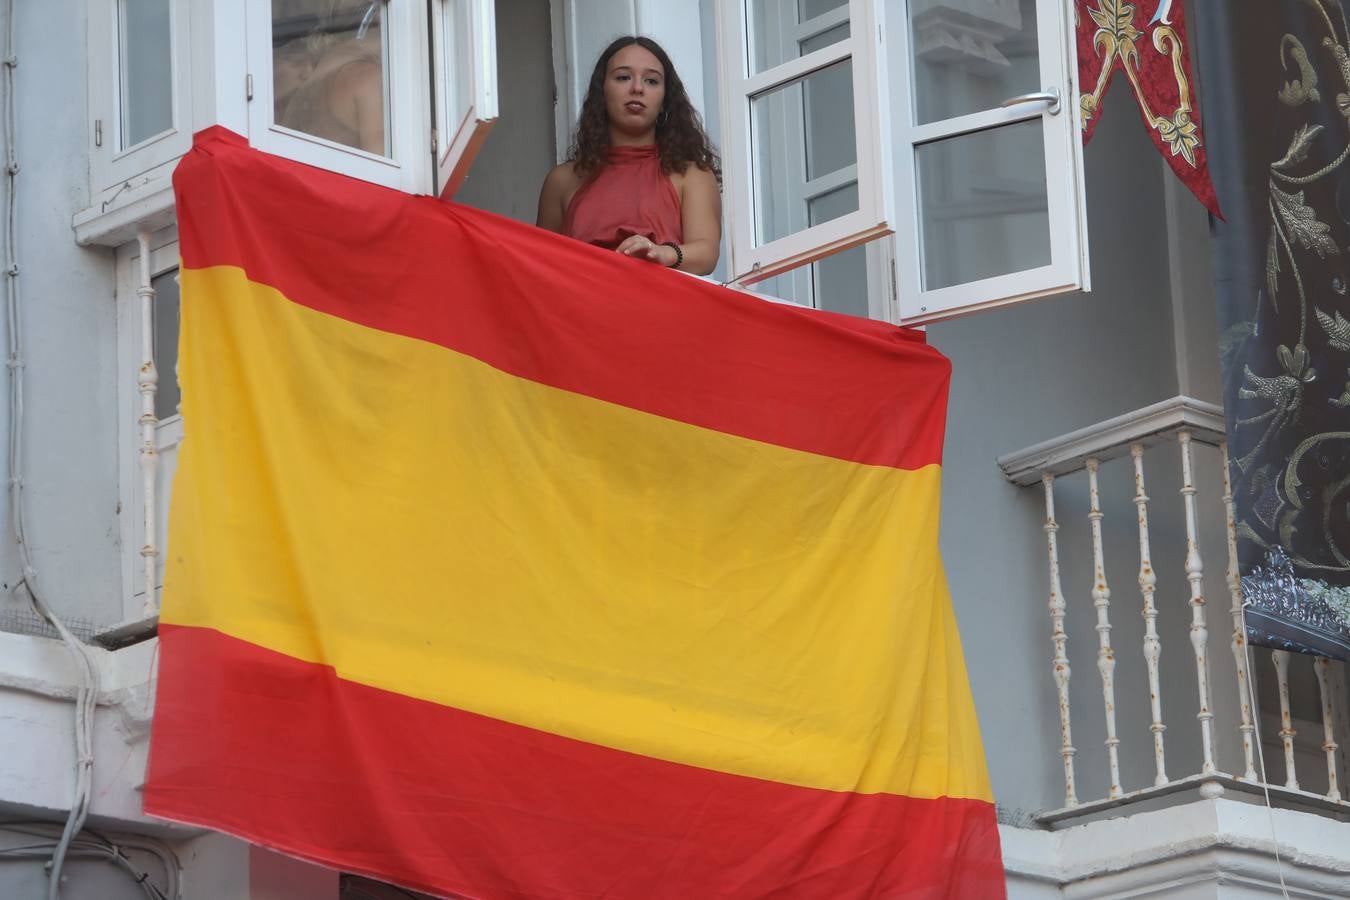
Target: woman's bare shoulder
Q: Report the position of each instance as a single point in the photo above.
(562, 177)
(560, 185)
(694, 178)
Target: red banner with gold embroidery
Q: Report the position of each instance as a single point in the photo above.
(1147, 40)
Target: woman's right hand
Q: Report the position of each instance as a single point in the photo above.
(645, 248)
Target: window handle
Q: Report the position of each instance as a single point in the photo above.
(1049, 96)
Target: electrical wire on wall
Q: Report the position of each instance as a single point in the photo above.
(89, 845)
(86, 696)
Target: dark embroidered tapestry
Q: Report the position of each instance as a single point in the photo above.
(1280, 139)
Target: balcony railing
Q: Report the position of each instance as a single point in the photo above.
(1181, 429)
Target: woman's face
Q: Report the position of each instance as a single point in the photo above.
(635, 87)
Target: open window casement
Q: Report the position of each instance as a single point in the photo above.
(341, 84)
(464, 60)
(803, 91)
(987, 153)
(951, 122)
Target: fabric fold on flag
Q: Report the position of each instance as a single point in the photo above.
(501, 566)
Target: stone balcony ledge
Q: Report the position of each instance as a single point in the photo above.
(1208, 848)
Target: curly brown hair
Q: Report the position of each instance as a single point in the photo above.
(679, 130)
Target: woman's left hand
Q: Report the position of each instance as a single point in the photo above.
(645, 248)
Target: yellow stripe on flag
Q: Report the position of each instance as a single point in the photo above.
(651, 610)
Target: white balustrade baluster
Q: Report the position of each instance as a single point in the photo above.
(1148, 581)
(1195, 574)
(1247, 728)
(147, 381)
(1106, 657)
(1329, 745)
(1281, 660)
(1060, 639)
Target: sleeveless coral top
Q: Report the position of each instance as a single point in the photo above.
(629, 195)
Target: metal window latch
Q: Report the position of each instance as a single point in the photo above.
(98, 132)
(248, 86)
(1049, 96)
(435, 144)
(736, 282)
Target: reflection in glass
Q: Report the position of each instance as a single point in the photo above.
(803, 131)
(164, 322)
(330, 71)
(840, 279)
(974, 58)
(982, 204)
(782, 30)
(145, 64)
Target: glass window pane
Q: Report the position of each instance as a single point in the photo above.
(841, 278)
(455, 62)
(812, 8)
(839, 281)
(145, 64)
(330, 71)
(982, 204)
(803, 131)
(833, 204)
(831, 143)
(971, 57)
(165, 324)
(793, 286)
(782, 30)
(824, 39)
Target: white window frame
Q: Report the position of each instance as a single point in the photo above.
(751, 261)
(111, 167)
(1061, 131)
(164, 258)
(457, 141)
(887, 176)
(409, 166)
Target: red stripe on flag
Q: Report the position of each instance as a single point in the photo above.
(562, 313)
(283, 752)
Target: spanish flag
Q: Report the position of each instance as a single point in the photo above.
(501, 566)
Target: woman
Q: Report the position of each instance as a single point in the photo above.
(642, 178)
